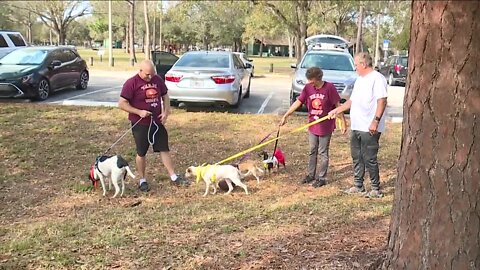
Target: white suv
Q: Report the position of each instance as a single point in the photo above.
(9, 41)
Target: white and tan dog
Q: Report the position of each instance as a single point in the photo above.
(212, 174)
(249, 167)
(114, 167)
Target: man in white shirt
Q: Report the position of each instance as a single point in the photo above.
(367, 106)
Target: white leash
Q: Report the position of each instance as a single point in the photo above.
(121, 137)
(152, 141)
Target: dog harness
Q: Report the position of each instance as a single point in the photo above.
(202, 170)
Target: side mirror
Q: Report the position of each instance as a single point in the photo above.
(55, 63)
(250, 60)
(293, 65)
(248, 65)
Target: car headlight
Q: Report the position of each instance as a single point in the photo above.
(302, 82)
(27, 78)
(348, 89)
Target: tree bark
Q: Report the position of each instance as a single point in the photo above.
(436, 214)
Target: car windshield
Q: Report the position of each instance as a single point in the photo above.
(204, 60)
(328, 62)
(28, 56)
(404, 61)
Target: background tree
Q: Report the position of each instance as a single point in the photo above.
(131, 30)
(147, 30)
(56, 15)
(293, 15)
(436, 215)
(262, 25)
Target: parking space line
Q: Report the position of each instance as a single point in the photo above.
(86, 94)
(264, 104)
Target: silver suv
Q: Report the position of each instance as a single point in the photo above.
(9, 41)
(337, 66)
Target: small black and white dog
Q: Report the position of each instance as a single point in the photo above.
(114, 167)
(269, 163)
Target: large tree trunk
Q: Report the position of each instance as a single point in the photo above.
(147, 30)
(436, 215)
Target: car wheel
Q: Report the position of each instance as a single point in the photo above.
(83, 83)
(247, 94)
(251, 75)
(43, 90)
(236, 105)
(391, 81)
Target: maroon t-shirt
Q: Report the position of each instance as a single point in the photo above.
(144, 96)
(319, 102)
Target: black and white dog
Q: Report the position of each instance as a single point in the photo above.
(114, 167)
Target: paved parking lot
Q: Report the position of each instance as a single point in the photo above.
(269, 95)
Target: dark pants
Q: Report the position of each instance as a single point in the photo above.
(318, 147)
(364, 149)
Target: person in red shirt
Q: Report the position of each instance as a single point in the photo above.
(320, 97)
(145, 98)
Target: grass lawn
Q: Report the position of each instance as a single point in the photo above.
(281, 65)
(52, 219)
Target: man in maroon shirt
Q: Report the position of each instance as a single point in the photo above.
(320, 97)
(145, 98)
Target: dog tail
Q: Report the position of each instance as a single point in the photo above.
(130, 172)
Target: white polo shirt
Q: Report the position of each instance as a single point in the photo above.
(366, 91)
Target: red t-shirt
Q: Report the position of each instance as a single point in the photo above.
(319, 102)
(144, 96)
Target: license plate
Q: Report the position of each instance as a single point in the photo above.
(196, 83)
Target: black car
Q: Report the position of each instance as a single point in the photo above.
(36, 72)
(395, 69)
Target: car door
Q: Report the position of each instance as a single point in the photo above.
(163, 62)
(72, 67)
(55, 73)
(241, 71)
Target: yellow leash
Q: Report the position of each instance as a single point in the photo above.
(272, 140)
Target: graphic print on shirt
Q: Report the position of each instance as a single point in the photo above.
(316, 108)
(151, 95)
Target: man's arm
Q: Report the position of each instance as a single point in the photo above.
(166, 104)
(125, 105)
(381, 105)
(345, 106)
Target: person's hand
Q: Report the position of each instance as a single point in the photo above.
(333, 113)
(144, 113)
(373, 129)
(283, 121)
(163, 118)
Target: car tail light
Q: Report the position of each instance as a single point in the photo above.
(223, 79)
(173, 78)
(397, 67)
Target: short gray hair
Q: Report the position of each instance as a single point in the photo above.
(365, 58)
